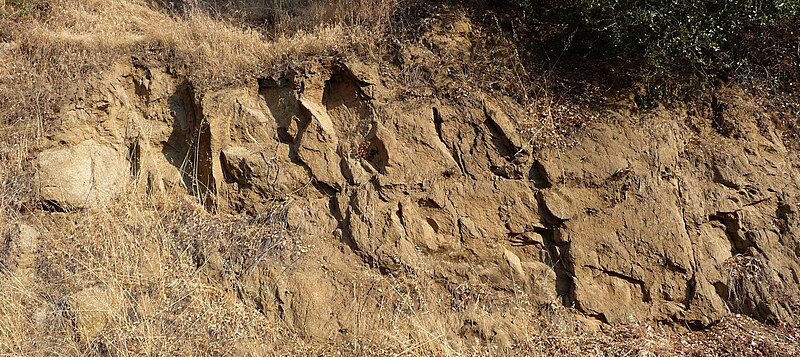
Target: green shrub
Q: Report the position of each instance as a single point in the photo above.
(670, 34)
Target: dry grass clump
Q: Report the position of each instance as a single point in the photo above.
(50, 46)
(288, 16)
(159, 270)
(76, 36)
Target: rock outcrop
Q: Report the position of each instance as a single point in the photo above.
(88, 174)
(648, 216)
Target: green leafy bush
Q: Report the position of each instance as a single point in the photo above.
(671, 34)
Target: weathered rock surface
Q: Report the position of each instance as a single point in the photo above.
(88, 174)
(639, 220)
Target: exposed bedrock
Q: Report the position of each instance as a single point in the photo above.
(644, 218)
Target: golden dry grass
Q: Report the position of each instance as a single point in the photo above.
(163, 303)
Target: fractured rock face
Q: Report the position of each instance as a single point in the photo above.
(86, 175)
(630, 223)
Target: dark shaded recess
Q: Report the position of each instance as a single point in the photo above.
(784, 215)
(501, 142)
(437, 124)
(438, 121)
(558, 260)
(431, 222)
(633, 281)
(718, 119)
(548, 217)
(730, 220)
(691, 290)
(400, 215)
(600, 317)
(378, 156)
(345, 88)
(428, 203)
(239, 172)
(188, 147)
(281, 98)
(723, 291)
(54, 206)
(344, 167)
(304, 120)
(507, 172)
(271, 91)
(538, 175)
(697, 325)
(134, 156)
(343, 216)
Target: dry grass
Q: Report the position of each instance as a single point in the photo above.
(71, 38)
(152, 262)
(53, 45)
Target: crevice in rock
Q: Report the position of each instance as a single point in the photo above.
(235, 172)
(691, 290)
(783, 217)
(674, 268)
(718, 120)
(275, 95)
(723, 291)
(401, 215)
(732, 225)
(377, 155)
(428, 203)
(344, 88)
(501, 142)
(342, 218)
(303, 121)
(630, 280)
(344, 167)
(599, 317)
(324, 188)
(432, 222)
(53, 206)
(558, 260)
(437, 124)
(539, 176)
(507, 172)
(697, 325)
(189, 146)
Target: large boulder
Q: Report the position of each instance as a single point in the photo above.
(86, 175)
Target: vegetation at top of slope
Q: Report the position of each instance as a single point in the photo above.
(710, 39)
